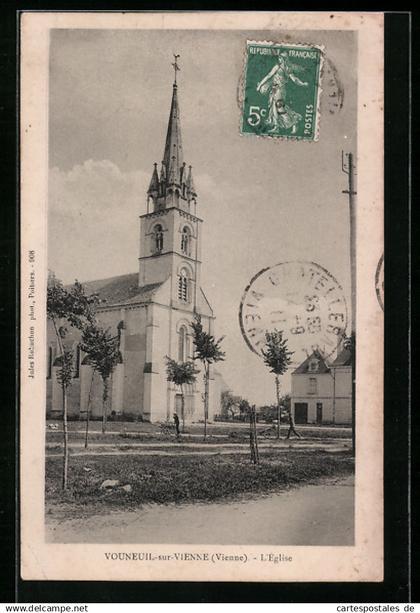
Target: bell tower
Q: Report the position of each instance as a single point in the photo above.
(170, 231)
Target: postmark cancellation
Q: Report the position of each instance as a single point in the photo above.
(302, 300)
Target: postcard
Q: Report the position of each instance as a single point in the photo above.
(202, 296)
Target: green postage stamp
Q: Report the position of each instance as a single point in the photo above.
(282, 90)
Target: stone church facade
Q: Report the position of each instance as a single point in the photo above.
(151, 309)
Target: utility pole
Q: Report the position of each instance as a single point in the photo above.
(347, 167)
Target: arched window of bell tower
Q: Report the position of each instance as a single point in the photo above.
(186, 240)
(158, 238)
(183, 285)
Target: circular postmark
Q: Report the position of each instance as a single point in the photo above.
(333, 90)
(379, 281)
(301, 299)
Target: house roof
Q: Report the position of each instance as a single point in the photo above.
(343, 358)
(304, 367)
(123, 289)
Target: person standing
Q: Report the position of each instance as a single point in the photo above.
(292, 429)
(176, 422)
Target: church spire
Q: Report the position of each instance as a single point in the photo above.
(173, 156)
(190, 183)
(154, 182)
(174, 186)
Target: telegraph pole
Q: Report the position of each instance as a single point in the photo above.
(347, 167)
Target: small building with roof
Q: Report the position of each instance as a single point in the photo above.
(322, 389)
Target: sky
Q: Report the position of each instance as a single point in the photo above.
(263, 201)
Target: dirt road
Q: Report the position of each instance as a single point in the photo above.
(321, 514)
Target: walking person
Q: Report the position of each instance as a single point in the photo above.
(292, 429)
(176, 422)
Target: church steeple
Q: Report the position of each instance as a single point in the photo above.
(170, 234)
(173, 187)
(173, 157)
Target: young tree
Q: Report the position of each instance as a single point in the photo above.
(277, 358)
(103, 350)
(65, 376)
(73, 307)
(181, 373)
(88, 408)
(208, 351)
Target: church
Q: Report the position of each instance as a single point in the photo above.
(150, 309)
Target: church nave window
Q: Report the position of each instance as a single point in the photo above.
(183, 286)
(158, 238)
(182, 344)
(186, 240)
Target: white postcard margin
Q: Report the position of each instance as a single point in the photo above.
(41, 560)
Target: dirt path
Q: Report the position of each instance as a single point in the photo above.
(181, 445)
(228, 426)
(168, 449)
(321, 514)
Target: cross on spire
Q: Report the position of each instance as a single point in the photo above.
(175, 65)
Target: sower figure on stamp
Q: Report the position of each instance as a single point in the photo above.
(280, 115)
(176, 422)
(292, 429)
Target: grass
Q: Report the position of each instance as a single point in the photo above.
(163, 479)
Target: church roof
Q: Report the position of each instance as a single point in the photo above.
(224, 387)
(304, 367)
(123, 289)
(206, 301)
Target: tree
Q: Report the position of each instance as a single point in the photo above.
(103, 350)
(229, 403)
(181, 373)
(65, 376)
(208, 351)
(285, 402)
(88, 407)
(244, 409)
(277, 358)
(268, 412)
(73, 307)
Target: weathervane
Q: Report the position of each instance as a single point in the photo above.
(175, 65)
